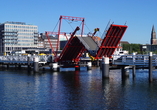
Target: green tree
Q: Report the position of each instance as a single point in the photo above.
(132, 48)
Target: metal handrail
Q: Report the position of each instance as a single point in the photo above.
(142, 60)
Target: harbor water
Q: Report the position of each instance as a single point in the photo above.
(76, 90)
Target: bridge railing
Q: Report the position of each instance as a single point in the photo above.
(141, 60)
(24, 58)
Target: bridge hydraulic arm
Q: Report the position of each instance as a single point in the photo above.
(77, 28)
(95, 31)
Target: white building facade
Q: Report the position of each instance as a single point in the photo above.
(17, 36)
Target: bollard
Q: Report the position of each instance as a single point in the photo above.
(36, 64)
(105, 67)
(150, 67)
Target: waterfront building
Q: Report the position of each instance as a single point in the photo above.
(17, 36)
(40, 42)
(44, 43)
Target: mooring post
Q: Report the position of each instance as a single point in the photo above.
(28, 62)
(36, 64)
(105, 67)
(150, 67)
(125, 72)
(133, 70)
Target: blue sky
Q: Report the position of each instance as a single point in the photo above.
(140, 15)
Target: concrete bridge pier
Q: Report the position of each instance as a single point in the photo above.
(77, 68)
(7, 66)
(55, 67)
(19, 66)
(96, 63)
(16, 65)
(125, 72)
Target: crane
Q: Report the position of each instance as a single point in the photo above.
(71, 18)
(48, 33)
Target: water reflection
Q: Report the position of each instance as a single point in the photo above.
(76, 90)
(112, 92)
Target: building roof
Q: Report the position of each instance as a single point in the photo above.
(12, 22)
(124, 42)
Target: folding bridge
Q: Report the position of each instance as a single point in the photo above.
(77, 45)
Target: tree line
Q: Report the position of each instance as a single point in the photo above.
(135, 48)
(132, 48)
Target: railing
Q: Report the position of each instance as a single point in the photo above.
(140, 60)
(24, 58)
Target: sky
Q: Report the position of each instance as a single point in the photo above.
(139, 15)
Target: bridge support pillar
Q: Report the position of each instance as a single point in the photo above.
(125, 72)
(150, 67)
(55, 67)
(16, 65)
(89, 65)
(36, 64)
(105, 67)
(19, 66)
(77, 68)
(7, 66)
(134, 71)
(97, 63)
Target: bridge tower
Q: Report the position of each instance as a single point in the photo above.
(153, 40)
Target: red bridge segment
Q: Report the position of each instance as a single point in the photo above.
(72, 51)
(111, 41)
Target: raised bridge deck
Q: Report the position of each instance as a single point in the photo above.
(77, 45)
